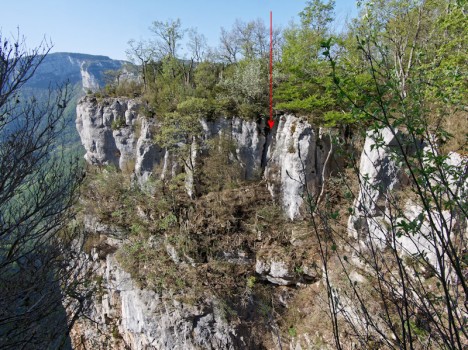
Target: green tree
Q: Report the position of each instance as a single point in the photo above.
(168, 36)
(206, 77)
(246, 85)
(305, 85)
(317, 15)
(414, 284)
(170, 86)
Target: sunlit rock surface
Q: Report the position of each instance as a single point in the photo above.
(290, 157)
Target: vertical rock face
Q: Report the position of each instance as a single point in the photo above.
(113, 132)
(148, 154)
(251, 143)
(89, 81)
(290, 157)
(249, 139)
(378, 175)
(374, 216)
(95, 123)
(132, 318)
(294, 163)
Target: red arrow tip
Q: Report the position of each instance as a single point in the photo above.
(271, 123)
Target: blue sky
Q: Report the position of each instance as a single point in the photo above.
(104, 27)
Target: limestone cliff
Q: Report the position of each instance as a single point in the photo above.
(115, 132)
(381, 176)
(74, 68)
(289, 157)
(284, 166)
(125, 316)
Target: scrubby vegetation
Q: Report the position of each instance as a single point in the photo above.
(191, 248)
(424, 41)
(402, 66)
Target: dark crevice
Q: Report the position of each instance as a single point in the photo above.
(268, 137)
(197, 319)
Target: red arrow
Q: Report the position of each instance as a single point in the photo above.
(271, 122)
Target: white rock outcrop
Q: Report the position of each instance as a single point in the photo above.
(276, 266)
(95, 123)
(378, 175)
(123, 316)
(290, 157)
(89, 81)
(375, 216)
(275, 271)
(113, 132)
(249, 138)
(148, 154)
(294, 163)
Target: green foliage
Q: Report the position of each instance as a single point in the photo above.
(251, 281)
(136, 228)
(302, 76)
(299, 270)
(402, 65)
(292, 331)
(207, 88)
(168, 87)
(334, 118)
(317, 15)
(168, 221)
(246, 84)
(177, 130)
(305, 86)
(118, 123)
(125, 88)
(396, 77)
(196, 108)
(205, 79)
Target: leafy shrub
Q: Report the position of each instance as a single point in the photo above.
(292, 331)
(168, 221)
(118, 123)
(125, 88)
(128, 88)
(251, 281)
(197, 107)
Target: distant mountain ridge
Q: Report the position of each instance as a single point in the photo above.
(76, 68)
(83, 72)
